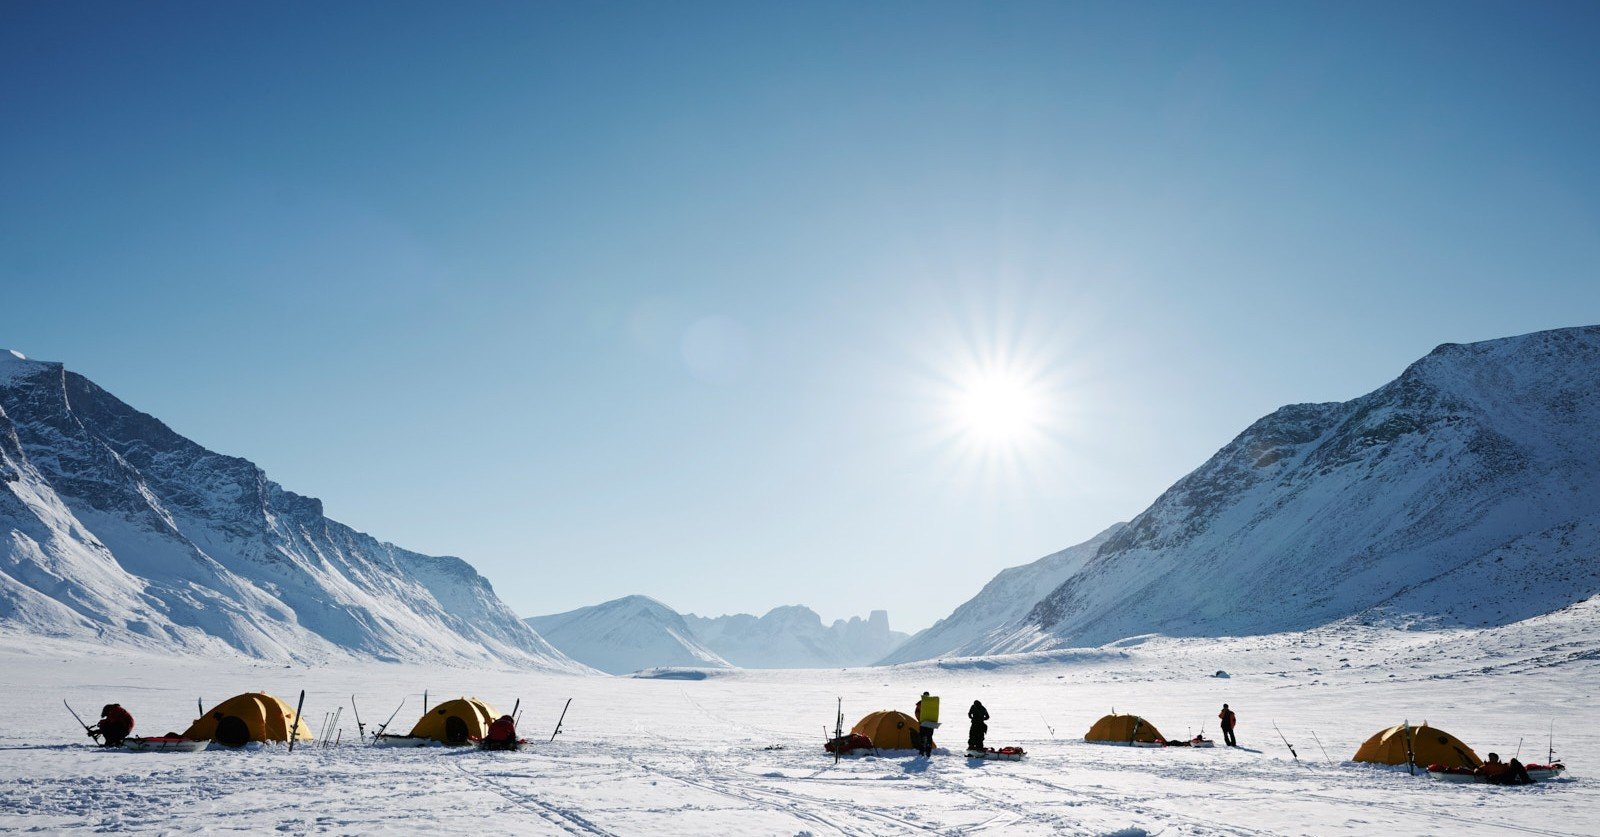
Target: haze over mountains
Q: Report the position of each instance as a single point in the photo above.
(637, 632)
(1466, 493)
(118, 530)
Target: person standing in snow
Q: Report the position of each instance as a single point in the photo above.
(927, 719)
(115, 724)
(980, 726)
(1228, 719)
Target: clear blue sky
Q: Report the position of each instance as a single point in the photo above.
(669, 298)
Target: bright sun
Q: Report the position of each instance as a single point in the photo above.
(999, 408)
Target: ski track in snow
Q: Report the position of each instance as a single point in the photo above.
(673, 757)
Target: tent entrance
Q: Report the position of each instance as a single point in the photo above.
(232, 731)
(455, 730)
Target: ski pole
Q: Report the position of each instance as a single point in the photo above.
(385, 724)
(1519, 748)
(201, 706)
(424, 701)
(1320, 747)
(294, 731)
(92, 733)
(838, 730)
(514, 708)
(564, 717)
(1047, 724)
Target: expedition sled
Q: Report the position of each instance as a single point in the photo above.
(165, 743)
(1465, 776)
(1002, 754)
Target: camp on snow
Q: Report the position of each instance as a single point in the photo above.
(254, 716)
(1421, 746)
(455, 722)
(888, 729)
(1127, 730)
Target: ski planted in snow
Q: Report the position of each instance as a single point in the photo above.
(1286, 741)
(294, 731)
(1411, 757)
(561, 719)
(92, 733)
(361, 729)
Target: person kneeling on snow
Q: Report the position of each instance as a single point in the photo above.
(502, 734)
(115, 724)
(1503, 773)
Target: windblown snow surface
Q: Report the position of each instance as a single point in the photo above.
(687, 751)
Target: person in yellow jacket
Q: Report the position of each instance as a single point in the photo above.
(928, 720)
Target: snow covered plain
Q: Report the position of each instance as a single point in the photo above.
(688, 756)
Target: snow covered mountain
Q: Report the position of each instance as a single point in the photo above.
(794, 637)
(118, 530)
(1466, 493)
(626, 635)
(638, 632)
(985, 618)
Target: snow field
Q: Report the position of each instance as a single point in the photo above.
(672, 756)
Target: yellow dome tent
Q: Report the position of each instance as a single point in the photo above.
(1427, 745)
(888, 729)
(254, 716)
(1123, 729)
(455, 721)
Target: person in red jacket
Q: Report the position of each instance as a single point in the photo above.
(1228, 719)
(502, 734)
(115, 724)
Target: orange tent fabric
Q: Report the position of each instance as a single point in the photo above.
(254, 716)
(888, 729)
(1123, 729)
(1427, 744)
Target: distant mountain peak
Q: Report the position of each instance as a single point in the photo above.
(125, 532)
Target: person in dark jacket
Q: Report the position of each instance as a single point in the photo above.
(980, 725)
(115, 724)
(1228, 720)
(502, 734)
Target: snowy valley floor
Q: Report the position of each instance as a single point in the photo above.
(672, 756)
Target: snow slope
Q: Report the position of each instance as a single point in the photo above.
(1008, 597)
(625, 635)
(117, 529)
(794, 637)
(1465, 493)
